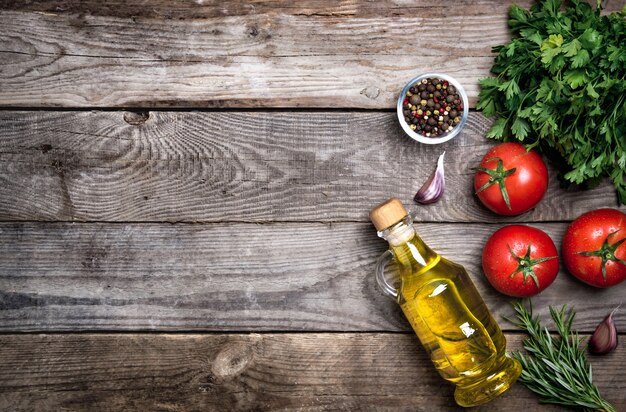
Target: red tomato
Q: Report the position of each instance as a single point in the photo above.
(511, 180)
(520, 260)
(594, 247)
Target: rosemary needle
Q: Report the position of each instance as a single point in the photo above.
(556, 367)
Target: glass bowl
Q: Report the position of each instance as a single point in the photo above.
(446, 135)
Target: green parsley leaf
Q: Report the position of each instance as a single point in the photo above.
(518, 13)
(590, 39)
(580, 59)
(549, 54)
(591, 91)
(552, 42)
(497, 129)
(571, 48)
(520, 128)
(575, 78)
(510, 88)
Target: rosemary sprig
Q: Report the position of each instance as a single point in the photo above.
(556, 367)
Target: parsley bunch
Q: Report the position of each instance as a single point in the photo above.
(561, 88)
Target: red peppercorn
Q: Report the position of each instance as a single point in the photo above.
(406, 100)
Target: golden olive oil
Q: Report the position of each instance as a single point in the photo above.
(450, 318)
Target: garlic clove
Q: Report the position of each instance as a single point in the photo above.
(432, 190)
(604, 338)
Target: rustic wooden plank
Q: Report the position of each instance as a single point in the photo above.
(245, 372)
(240, 55)
(177, 54)
(183, 10)
(234, 277)
(241, 166)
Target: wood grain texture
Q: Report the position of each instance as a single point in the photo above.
(264, 54)
(235, 277)
(303, 372)
(199, 54)
(242, 166)
(190, 10)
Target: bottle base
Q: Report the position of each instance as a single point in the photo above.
(491, 387)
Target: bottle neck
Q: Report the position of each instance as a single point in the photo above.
(407, 247)
(400, 233)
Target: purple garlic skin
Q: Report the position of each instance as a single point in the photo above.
(604, 338)
(432, 190)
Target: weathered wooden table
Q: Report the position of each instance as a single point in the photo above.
(184, 190)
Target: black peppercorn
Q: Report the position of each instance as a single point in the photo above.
(425, 105)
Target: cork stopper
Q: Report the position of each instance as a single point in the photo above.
(388, 213)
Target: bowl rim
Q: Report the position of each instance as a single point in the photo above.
(430, 140)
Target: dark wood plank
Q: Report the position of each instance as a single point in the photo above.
(234, 277)
(268, 54)
(241, 166)
(245, 372)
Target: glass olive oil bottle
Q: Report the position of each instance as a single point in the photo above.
(444, 308)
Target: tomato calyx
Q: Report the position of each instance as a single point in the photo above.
(606, 252)
(497, 175)
(525, 265)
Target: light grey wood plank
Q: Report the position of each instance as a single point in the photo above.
(242, 166)
(265, 55)
(185, 10)
(310, 372)
(235, 277)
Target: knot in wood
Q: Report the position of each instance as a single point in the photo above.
(253, 31)
(136, 118)
(371, 92)
(232, 360)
